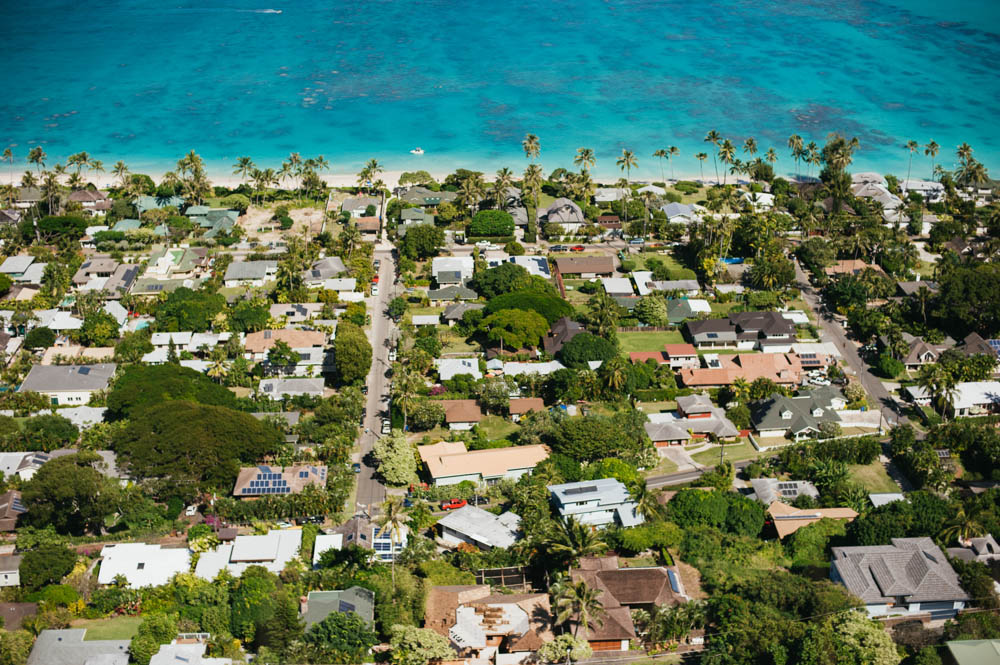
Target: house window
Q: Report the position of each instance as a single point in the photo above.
(712, 335)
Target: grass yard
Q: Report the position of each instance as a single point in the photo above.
(117, 628)
(663, 468)
(496, 427)
(649, 341)
(722, 307)
(735, 452)
(657, 407)
(677, 271)
(874, 477)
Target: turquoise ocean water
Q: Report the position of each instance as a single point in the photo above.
(147, 81)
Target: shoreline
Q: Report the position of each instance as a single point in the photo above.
(391, 178)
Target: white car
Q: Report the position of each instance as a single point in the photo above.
(386, 426)
(392, 356)
(820, 382)
(375, 290)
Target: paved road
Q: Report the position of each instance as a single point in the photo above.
(687, 476)
(834, 332)
(371, 493)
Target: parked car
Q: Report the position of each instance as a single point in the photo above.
(364, 390)
(312, 519)
(454, 504)
(636, 241)
(392, 355)
(356, 468)
(377, 263)
(559, 248)
(479, 501)
(407, 502)
(375, 279)
(375, 290)
(386, 426)
(576, 248)
(483, 243)
(191, 511)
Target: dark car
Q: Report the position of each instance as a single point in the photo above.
(407, 502)
(364, 390)
(558, 248)
(356, 467)
(377, 263)
(479, 501)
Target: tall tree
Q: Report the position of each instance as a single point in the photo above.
(727, 152)
(931, 150)
(714, 138)
(911, 147)
(37, 157)
(701, 157)
(585, 158)
(580, 602)
(393, 519)
(573, 540)
(660, 154)
(795, 145)
(243, 167)
(531, 146)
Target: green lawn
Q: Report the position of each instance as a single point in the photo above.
(735, 452)
(663, 468)
(722, 307)
(496, 427)
(117, 628)
(873, 477)
(648, 341)
(677, 271)
(657, 407)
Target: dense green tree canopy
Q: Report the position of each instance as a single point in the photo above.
(143, 385)
(422, 241)
(550, 306)
(492, 223)
(50, 431)
(184, 447)
(505, 278)
(514, 328)
(585, 347)
(185, 309)
(352, 353)
(70, 494)
(45, 565)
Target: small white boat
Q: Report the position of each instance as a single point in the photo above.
(417, 151)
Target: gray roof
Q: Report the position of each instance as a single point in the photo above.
(326, 268)
(16, 264)
(564, 211)
(456, 311)
(249, 269)
(698, 403)
(359, 203)
(483, 527)
(677, 284)
(275, 388)
(452, 293)
(67, 647)
(793, 414)
(769, 490)
(912, 568)
(68, 378)
(321, 604)
(673, 209)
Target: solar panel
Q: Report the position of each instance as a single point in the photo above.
(344, 606)
(581, 490)
(84, 370)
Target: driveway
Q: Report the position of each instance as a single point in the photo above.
(834, 332)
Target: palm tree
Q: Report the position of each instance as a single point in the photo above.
(120, 171)
(29, 180)
(243, 167)
(750, 146)
(97, 166)
(218, 370)
(531, 146)
(647, 502)
(373, 168)
(701, 157)
(771, 156)
(580, 602)
(962, 527)
(472, 191)
(811, 156)
(964, 152)
(37, 157)
(648, 198)
(8, 156)
(714, 138)
(585, 158)
(573, 540)
(349, 238)
(627, 162)
(533, 180)
(614, 374)
(727, 152)
(404, 390)
(911, 147)
(504, 181)
(931, 150)
(393, 519)
(50, 188)
(795, 145)
(940, 385)
(660, 154)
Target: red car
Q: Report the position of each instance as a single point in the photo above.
(375, 279)
(576, 248)
(454, 504)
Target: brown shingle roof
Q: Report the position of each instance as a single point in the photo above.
(572, 265)
(525, 405)
(261, 341)
(461, 411)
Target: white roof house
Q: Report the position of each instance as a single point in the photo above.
(475, 526)
(542, 369)
(464, 265)
(974, 398)
(185, 654)
(324, 542)
(609, 194)
(426, 319)
(279, 388)
(643, 281)
(272, 551)
(596, 502)
(617, 286)
(535, 265)
(141, 564)
(16, 265)
(449, 368)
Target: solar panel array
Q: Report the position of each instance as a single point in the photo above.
(581, 490)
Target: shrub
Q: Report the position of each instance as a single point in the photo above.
(491, 223)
